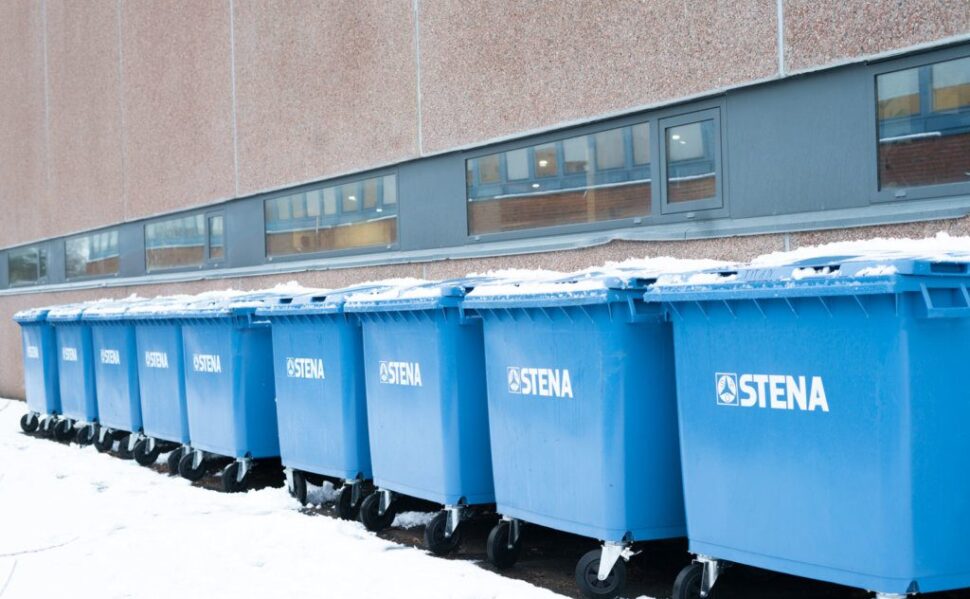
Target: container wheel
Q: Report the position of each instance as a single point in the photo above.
(123, 451)
(499, 553)
(86, 435)
(29, 422)
(103, 445)
(590, 585)
(369, 516)
(346, 510)
(173, 461)
(434, 536)
(230, 484)
(64, 430)
(688, 583)
(298, 487)
(46, 427)
(187, 471)
(143, 455)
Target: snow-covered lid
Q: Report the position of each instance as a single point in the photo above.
(111, 310)
(160, 307)
(72, 312)
(29, 315)
(415, 294)
(216, 304)
(330, 301)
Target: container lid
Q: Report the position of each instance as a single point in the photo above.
(159, 308)
(882, 272)
(226, 304)
(111, 310)
(32, 315)
(415, 294)
(72, 312)
(329, 301)
(612, 282)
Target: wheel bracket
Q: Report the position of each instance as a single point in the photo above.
(712, 570)
(455, 513)
(386, 497)
(611, 553)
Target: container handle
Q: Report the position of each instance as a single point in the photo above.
(933, 311)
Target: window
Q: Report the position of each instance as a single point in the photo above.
(583, 179)
(176, 243)
(337, 217)
(27, 265)
(690, 147)
(924, 125)
(217, 241)
(92, 255)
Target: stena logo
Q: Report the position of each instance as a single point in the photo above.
(110, 356)
(774, 391)
(69, 354)
(156, 359)
(33, 352)
(407, 374)
(206, 363)
(305, 368)
(543, 382)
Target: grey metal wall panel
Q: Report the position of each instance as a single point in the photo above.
(55, 261)
(801, 145)
(244, 226)
(131, 245)
(432, 206)
(4, 278)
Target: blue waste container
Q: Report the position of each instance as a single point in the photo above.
(229, 394)
(75, 369)
(40, 373)
(115, 375)
(161, 379)
(320, 396)
(823, 422)
(583, 417)
(424, 373)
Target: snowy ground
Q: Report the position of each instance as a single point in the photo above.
(80, 524)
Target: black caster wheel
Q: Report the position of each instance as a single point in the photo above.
(124, 452)
(64, 430)
(143, 455)
(230, 479)
(86, 435)
(298, 487)
(589, 583)
(173, 461)
(687, 585)
(187, 471)
(29, 423)
(369, 516)
(346, 510)
(435, 540)
(499, 553)
(46, 427)
(103, 444)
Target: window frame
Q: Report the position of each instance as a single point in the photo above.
(698, 116)
(43, 245)
(917, 192)
(208, 259)
(116, 274)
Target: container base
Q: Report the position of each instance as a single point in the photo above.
(655, 533)
(435, 497)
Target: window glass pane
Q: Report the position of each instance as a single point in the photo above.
(545, 159)
(543, 193)
(217, 241)
(90, 255)
(924, 125)
(641, 143)
(517, 164)
(27, 265)
(326, 228)
(390, 189)
(691, 162)
(575, 153)
(176, 243)
(349, 198)
(610, 149)
(488, 169)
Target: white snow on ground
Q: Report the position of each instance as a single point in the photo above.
(77, 523)
(412, 519)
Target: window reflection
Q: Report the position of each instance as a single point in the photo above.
(691, 168)
(175, 243)
(89, 255)
(27, 265)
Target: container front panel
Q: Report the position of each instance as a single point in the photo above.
(161, 379)
(583, 421)
(75, 367)
(798, 425)
(320, 400)
(40, 368)
(116, 376)
(426, 406)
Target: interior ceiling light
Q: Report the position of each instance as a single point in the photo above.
(543, 163)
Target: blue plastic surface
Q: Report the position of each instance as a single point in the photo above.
(115, 365)
(320, 398)
(75, 363)
(582, 411)
(823, 421)
(229, 390)
(161, 370)
(40, 361)
(427, 412)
